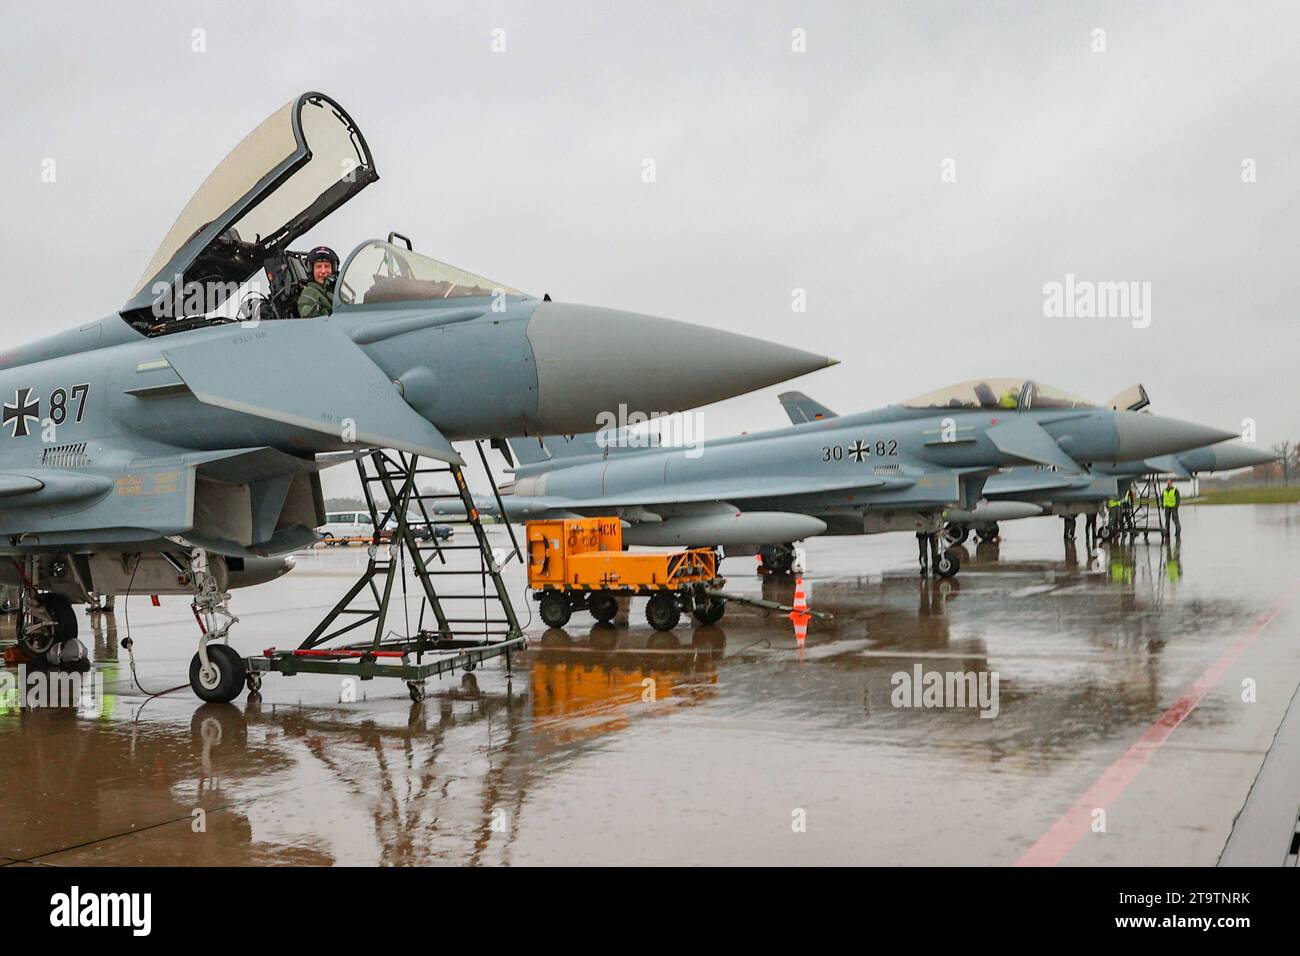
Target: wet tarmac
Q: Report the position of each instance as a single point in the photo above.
(1122, 708)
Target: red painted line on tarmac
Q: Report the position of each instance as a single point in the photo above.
(1061, 837)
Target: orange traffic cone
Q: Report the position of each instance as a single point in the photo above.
(800, 604)
(800, 620)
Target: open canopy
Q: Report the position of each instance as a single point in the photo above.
(1005, 393)
(298, 166)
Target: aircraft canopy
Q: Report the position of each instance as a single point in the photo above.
(993, 393)
(379, 271)
(303, 162)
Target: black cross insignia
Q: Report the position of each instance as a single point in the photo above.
(21, 410)
(859, 451)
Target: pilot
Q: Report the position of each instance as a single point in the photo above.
(1010, 398)
(317, 296)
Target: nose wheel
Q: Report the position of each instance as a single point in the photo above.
(947, 564)
(222, 678)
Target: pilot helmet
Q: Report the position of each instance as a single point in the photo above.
(319, 253)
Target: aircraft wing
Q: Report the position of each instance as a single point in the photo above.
(1024, 438)
(246, 373)
(1023, 481)
(1168, 465)
(692, 493)
(239, 501)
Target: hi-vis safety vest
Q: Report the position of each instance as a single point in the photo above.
(1114, 502)
(1171, 498)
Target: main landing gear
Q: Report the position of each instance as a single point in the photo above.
(776, 559)
(45, 621)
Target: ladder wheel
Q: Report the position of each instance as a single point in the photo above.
(555, 609)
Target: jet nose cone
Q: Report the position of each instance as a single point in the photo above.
(1147, 436)
(592, 360)
(1237, 455)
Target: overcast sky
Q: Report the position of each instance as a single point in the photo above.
(775, 170)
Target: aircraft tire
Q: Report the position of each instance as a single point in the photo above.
(778, 560)
(229, 677)
(948, 564)
(36, 646)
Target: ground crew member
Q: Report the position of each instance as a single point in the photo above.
(1115, 516)
(1169, 500)
(317, 296)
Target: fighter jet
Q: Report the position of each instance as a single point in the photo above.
(895, 469)
(1031, 491)
(173, 432)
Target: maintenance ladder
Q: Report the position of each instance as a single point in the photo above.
(469, 623)
(1147, 517)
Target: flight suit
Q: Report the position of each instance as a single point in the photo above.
(314, 300)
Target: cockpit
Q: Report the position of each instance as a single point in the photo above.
(382, 272)
(227, 256)
(1009, 394)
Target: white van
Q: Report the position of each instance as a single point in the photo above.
(340, 526)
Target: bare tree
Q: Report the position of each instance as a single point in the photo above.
(1284, 450)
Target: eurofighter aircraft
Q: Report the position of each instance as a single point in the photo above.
(161, 447)
(1031, 491)
(896, 469)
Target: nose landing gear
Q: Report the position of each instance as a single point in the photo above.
(217, 673)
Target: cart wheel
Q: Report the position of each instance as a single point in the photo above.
(555, 609)
(222, 682)
(603, 607)
(416, 689)
(947, 565)
(710, 612)
(254, 682)
(662, 612)
(988, 534)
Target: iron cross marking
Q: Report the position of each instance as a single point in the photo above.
(23, 408)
